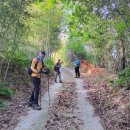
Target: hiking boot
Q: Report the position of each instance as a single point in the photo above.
(55, 81)
(61, 82)
(36, 107)
(30, 104)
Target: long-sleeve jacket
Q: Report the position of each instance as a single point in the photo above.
(40, 66)
(77, 63)
(58, 66)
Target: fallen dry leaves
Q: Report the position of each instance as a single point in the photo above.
(112, 105)
(17, 106)
(62, 113)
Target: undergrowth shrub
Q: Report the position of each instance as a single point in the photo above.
(49, 63)
(3, 105)
(124, 78)
(20, 59)
(5, 91)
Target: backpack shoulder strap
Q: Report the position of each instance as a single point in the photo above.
(36, 63)
(43, 64)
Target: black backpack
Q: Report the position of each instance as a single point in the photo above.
(29, 68)
(55, 68)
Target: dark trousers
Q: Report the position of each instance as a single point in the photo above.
(58, 74)
(36, 89)
(77, 73)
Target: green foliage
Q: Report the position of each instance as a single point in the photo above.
(62, 53)
(3, 105)
(30, 25)
(5, 91)
(78, 48)
(90, 57)
(120, 27)
(44, 25)
(20, 59)
(49, 63)
(124, 78)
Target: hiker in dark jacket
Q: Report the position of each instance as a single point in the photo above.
(57, 70)
(77, 66)
(37, 68)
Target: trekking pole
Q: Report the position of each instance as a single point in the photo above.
(40, 93)
(48, 89)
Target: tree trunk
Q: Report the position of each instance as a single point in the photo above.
(1, 66)
(13, 50)
(123, 60)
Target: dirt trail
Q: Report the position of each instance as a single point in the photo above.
(69, 109)
(86, 110)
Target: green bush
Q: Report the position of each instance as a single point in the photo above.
(124, 78)
(20, 59)
(5, 91)
(49, 63)
(90, 57)
(3, 105)
(78, 49)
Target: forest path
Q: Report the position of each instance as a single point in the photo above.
(79, 112)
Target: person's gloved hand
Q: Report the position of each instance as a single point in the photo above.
(47, 71)
(40, 71)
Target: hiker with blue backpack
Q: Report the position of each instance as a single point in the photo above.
(37, 68)
(77, 66)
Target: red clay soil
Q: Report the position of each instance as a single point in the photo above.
(111, 104)
(90, 68)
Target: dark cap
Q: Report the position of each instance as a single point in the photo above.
(43, 52)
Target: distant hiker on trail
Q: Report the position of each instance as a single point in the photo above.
(77, 65)
(37, 68)
(57, 70)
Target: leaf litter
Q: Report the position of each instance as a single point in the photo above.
(112, 105)
(17, 106)
(62, 113)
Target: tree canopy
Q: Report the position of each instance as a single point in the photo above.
(98, 31)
